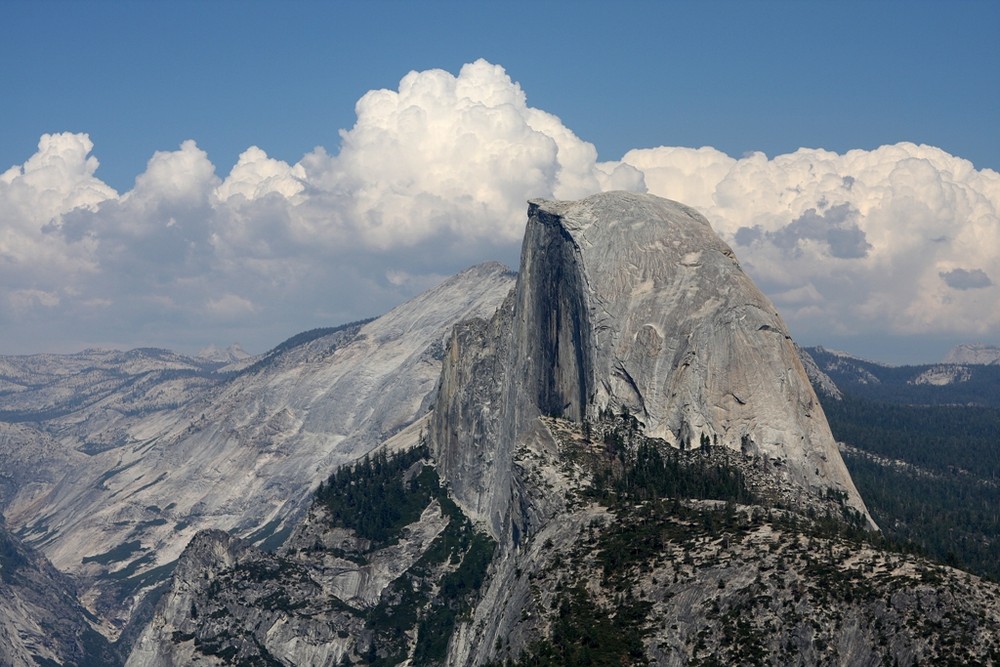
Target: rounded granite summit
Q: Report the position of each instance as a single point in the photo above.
(628, 300)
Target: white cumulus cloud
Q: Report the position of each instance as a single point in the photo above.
(902, 239)
(57, 178)
(256, 175)
(434, 176)
(456, 156)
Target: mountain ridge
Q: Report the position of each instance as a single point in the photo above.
(923, 384)
(242, 453)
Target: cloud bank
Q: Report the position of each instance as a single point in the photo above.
(434, 176)
(903, 239)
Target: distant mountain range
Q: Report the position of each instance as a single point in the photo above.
(923, 445)
(228, 355)
(974, 381)
(113, 461)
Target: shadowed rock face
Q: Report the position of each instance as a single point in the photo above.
(41, 620)
(553, 328)
(630, 301)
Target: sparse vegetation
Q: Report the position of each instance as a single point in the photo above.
(437, 591)
(415, 615)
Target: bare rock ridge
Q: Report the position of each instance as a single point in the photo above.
(133, 453)
(973, 353)
(821, 382)
(628, 301)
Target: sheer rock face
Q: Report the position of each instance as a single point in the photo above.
(630, 301)
(467, 421)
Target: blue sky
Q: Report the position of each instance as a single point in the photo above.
(741, 77)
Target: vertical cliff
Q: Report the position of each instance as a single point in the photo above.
(630, 301)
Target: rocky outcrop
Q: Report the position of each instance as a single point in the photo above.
(159, 449)
(331, 595)
(821, 382)
(687, 582)
(630, 301)
(940, 376)
(467, 424)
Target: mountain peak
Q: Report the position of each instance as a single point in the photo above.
(630, 302)
(227, 355)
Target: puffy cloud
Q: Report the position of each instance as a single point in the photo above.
(434, 176)
(56, 179)
(36, 266)
(457, 156)
(255, 175)
(689, 175)
(867, 241)
(185, 176)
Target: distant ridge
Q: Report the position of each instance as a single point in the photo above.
(225, 355)
(973, 353)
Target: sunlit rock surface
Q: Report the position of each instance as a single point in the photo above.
(973, 353)
(629, 301)
(128, 455)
